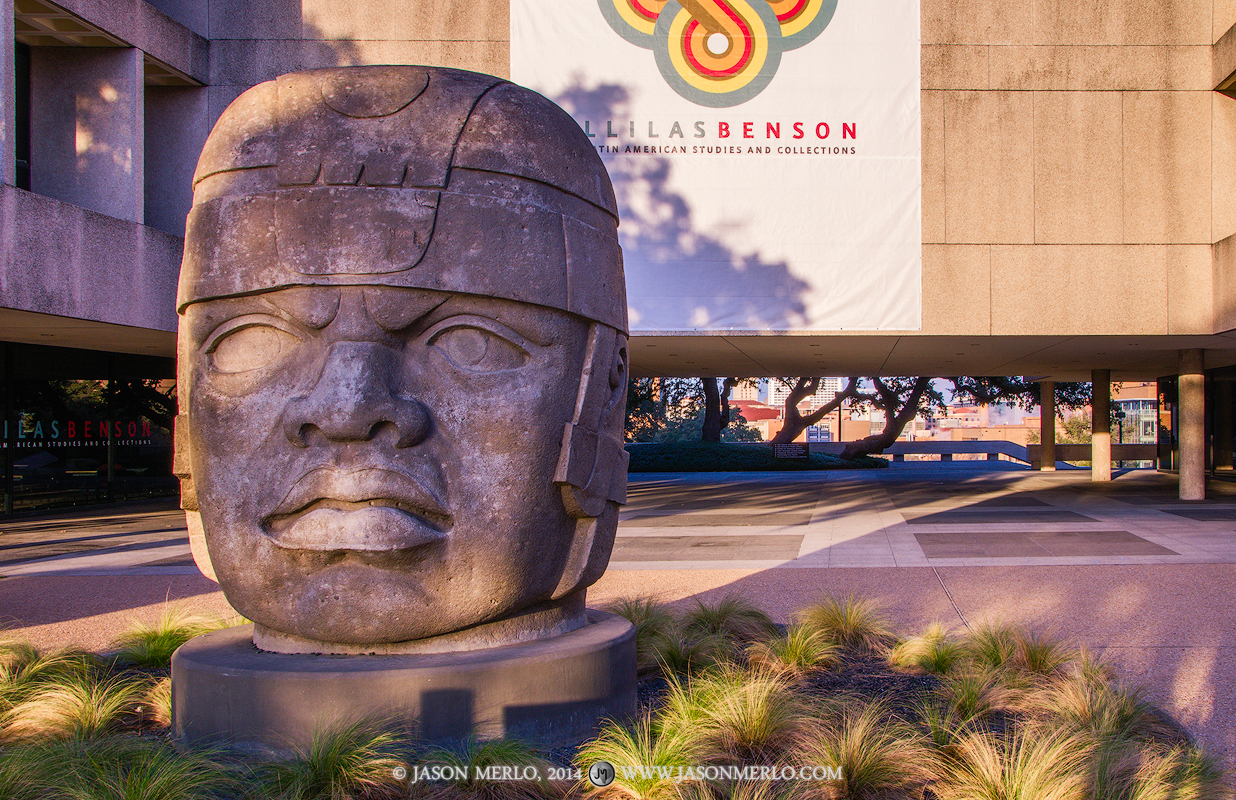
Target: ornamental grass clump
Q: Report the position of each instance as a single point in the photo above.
(738, 716)
(653, 622)
(150, 646)
(1026, 765)
(646, 756)
(732, 617)
(122, 767)
(1041, 654)
(934, 651)
(358, 759)
(877, 754)
(681, 653)
(796, 655)
(977, 692)
(75, 704)
(519, 760)
(24, 669)
(854, 623)
(992, 645)
(156, 704)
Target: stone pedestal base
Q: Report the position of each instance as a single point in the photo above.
(553, 691)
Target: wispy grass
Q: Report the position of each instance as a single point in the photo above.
(976, 692)
(24, 669)
(1042, 654)
(935, 651)
(1084, 703)
(474, 755)
(879, 756)
(796, 655)
(1024, 766)
(150, 645)
(737, 716)
(853, 622)
(75, 704)
(112, 768)
(644, 743)
(653, 621)
(733, 617)
(680, 653)
(342, 762)
(992, 645)
(156, 704)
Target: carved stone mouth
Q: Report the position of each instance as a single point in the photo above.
(439, 521)
(371, 510)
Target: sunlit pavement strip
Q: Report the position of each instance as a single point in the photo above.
(967, 516)
(870, 519)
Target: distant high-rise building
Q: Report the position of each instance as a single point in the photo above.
(824, 394)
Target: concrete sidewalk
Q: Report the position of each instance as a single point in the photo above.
(1123, 568)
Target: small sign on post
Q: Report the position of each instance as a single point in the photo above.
(796, 450)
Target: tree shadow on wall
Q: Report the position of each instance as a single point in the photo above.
(679, 276)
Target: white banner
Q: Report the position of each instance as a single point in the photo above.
(766, 153)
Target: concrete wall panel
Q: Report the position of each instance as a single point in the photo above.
(1100, 68)
(977, 22)
(1223, 160)
(989, 167)
(423, 20)
(1078, 290)
(1190, 287)
(177, 121)
(8, 158)
(86, 105)
(1223, 17)
(1167, 171)
(1122, 22)
(933, 167)
(1223, 263)
(1077, 154)
(955, 66)
(957, 289)
(60, 259)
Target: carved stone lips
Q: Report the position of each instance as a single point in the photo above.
(365, 510)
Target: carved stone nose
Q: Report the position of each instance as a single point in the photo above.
(354, 399)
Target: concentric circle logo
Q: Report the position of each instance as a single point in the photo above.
(718, 53)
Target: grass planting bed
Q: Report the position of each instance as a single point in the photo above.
(731, 707)
(723, 457)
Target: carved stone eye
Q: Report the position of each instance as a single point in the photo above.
(478, 350)
(249, 348)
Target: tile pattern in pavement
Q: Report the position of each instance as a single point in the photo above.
(920, 515)
(907, 515)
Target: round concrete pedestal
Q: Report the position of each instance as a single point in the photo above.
(553, 691)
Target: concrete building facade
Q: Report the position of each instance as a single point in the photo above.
(1078, 186)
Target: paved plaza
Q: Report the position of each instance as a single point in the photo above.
(1124, 568)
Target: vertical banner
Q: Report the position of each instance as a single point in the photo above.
(766, 153)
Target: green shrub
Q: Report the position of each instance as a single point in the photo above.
(935, 651)
(151, 645)
(796, 655)
(355, 759)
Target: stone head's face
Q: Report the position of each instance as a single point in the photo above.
(377, 464)
(404, 400)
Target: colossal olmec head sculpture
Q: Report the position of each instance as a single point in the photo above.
(403, 356)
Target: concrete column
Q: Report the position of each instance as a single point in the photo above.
(176, 127)
(1101, 425)
(87, 105)
(8, 158)
(1047, 426)
(1223, 431)
(1191, 400)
